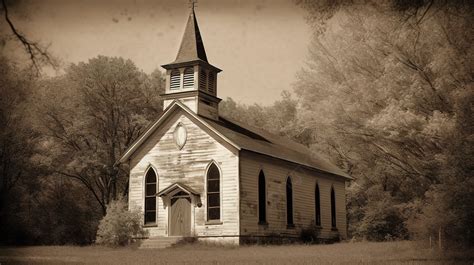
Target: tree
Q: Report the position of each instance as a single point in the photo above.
(279, 118)
(383, 85)
(90, 115)
(17, 140)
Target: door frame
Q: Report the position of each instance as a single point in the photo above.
(169, 192)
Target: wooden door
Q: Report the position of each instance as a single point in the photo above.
(180, 216)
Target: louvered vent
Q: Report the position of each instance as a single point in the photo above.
(175, 79)
(212, 84)
(202, 80)
(188, 81)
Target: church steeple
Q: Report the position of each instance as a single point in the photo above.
(191, 78)
(192, 46)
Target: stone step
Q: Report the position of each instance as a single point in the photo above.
(159, 242)
(165, 238)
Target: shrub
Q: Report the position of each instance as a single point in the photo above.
(309, 235)
(383, 222)
(119, 226)
(381, 218)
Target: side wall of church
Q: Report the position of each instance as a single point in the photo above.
(303, 182)
(187, 166)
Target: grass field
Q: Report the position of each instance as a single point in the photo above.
(342, 253)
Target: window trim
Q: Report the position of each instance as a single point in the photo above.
(145, 196)
(213, 221)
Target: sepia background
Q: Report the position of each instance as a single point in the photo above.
(249, 40)
(384, 89)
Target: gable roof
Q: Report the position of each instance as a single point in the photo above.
(174, 186)
(244, 137)
(259, 141)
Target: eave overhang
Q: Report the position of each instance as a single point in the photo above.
(191, 93)
(177, 186)
(175, 65)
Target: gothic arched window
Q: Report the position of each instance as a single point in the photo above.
(317, 205)
(150, 196)
(289, 203)
(262, 199)
(333, 208)
(213, 193)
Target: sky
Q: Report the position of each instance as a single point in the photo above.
(259, 45)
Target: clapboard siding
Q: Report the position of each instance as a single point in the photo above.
(187, 166)
(304, 183)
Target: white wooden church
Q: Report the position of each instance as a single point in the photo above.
(196, 173)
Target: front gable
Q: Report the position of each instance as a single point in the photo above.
(185, 166)
(171, 114)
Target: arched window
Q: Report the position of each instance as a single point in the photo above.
(317, 202)
(262, 199)
(333, 208)
(289, 203)
(211, 86)
(213, 193)
(150, 196)
(175, 79)
(202, 80)
(188, 78)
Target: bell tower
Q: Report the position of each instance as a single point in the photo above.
(190, 78)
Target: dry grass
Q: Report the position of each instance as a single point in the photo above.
(343, 253)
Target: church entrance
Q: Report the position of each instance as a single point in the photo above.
(180, 215)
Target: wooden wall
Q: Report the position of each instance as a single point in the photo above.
(187, 166)
(304, 181)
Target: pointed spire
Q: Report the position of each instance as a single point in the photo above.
(192, 47)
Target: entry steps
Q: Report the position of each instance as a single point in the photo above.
(159, 242)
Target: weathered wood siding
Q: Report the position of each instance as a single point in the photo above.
(187, 166)
(304, 182)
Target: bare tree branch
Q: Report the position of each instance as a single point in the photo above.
(38, 55)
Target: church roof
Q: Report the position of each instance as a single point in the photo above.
(192, 47)
(244, 137)
(265, 143)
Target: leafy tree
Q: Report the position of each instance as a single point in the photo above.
(279, 118)
(17, 140)
(18, 145)
(385, 86)
(90, 115)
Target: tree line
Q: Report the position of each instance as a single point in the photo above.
(60, 140)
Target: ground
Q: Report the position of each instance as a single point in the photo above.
(342, 253)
